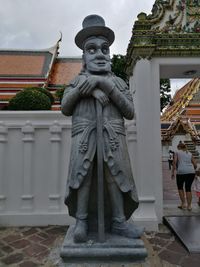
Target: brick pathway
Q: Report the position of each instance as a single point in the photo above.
(28, 247)
(170, 193)
(40, 246)
(171, 197)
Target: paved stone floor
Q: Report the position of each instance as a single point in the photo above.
(40, 246)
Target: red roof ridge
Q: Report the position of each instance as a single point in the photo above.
(54, 50)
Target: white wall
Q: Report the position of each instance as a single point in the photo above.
(34, 157)
(165, 152)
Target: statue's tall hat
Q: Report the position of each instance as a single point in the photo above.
(94, 25)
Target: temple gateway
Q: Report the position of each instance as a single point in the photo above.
(164, 44)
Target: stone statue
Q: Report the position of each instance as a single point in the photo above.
(97, 84)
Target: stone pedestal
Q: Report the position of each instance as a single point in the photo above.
(114, 249)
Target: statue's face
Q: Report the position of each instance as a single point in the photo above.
(97, 55)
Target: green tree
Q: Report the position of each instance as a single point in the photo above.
(44, 91)
(165, 93)
(118, 63)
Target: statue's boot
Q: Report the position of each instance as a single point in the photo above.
(80, 231)
(127, 229)
(81, 227)
(119, 224)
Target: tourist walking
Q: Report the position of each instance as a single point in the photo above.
(171, 158)
(184, 166)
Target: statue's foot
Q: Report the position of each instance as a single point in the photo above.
(80, 231)
(127, 229)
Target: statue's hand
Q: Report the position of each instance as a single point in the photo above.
(101, 96)
(106, 84)
(88, 86)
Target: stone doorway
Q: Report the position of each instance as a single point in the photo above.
(164, 44)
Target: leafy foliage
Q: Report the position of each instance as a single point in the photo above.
(44, 91)
(165, 93)
(118, 63)
(30, 100)
(59, 93)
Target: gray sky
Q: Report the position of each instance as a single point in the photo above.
(35, 24)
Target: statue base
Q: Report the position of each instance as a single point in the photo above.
(115, 249)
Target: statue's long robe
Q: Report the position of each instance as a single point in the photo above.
(83, 150)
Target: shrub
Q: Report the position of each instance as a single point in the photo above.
(59, 94)
(44, 91)
(30, 100)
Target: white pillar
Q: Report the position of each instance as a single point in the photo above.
(131, 133)
(3, 141)
(54, 179)
(27, 185)
(145, 85)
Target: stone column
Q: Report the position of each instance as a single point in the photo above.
(27, 184)
(131, 131)
(3, 158)
(145, 86)
(55, 167)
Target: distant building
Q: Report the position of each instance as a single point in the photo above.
(181, 119)
(21, 69)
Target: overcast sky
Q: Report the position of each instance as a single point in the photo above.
(35, 24)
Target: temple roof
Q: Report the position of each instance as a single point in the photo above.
(21, 69)
(185, 102)
(172, 29)
(178, 126)
(64, 70)
(183, 113)
(27, 63)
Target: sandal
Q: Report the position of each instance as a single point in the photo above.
(189, 209)
(182, 207)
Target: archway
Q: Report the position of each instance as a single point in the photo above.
(165, 44)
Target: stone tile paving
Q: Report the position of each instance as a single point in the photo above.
(28, 247)
(170, 192)
(40, 246)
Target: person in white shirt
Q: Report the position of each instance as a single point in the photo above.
(184, 165)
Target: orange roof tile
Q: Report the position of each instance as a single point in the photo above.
(21, 85)
(64, 70)
(28, 64)
(193, 112)
(181, 100)
(6, 97)
(21, 65)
